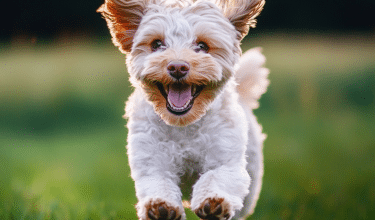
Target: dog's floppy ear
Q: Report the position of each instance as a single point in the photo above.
(241, 13)
(123, 18)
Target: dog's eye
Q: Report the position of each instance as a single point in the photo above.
(202, 46)
(156, 45)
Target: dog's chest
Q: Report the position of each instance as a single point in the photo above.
(187, 138)
(188, 145)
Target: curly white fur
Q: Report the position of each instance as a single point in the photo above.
(219, 138)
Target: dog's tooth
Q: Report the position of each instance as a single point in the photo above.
(166, 88)
(187, 103)
(193, 89)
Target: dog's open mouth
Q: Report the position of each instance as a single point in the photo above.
(180, 97)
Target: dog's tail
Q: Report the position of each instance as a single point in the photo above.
(251, 77)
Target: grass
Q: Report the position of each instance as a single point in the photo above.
(62, 137)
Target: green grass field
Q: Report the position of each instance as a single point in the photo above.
(62, 138)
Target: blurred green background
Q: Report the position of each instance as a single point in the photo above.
(62, 94)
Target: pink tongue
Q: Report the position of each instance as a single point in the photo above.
(179, 94)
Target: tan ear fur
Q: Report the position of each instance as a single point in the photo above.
(123, 18)
(241, 13)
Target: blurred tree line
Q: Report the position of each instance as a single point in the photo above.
(47, 19)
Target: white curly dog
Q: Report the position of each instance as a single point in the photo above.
(190, 117)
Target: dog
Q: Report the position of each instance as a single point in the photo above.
(190, 121)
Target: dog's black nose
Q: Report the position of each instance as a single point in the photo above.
(178, 69)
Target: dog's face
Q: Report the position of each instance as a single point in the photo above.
(180, 53)
(182, 57)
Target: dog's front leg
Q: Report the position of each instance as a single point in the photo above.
(158, 199)
(219, 192)
(156, 181)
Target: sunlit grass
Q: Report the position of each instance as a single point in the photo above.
(62, 138)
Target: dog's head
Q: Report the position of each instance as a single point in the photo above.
(181, 53)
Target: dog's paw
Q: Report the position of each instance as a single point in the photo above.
(214, 209)
(160, 210)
